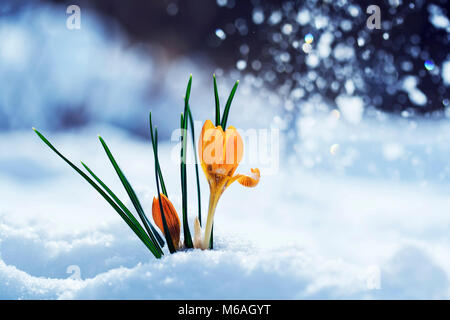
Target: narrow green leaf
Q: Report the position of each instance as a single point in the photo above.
(191, 122)
(163, 216)
(161, 179)
(216, 96)
(188, 92)
(149, 243)
(154, 235)
(116, 199)
(228, 105)
(187, 234)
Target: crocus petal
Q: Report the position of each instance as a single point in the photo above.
(234, 150)
(172, 220)
(249, 181)
(210, 145)
(220, 152)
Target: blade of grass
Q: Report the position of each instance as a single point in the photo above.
(188, 92)
(228, 105)
(186, 230)
(161, 179)
(216, 97)
(191, 121)
(154, 235)
(116, 199)
(187, 234)
(163, 216)
(151, 245)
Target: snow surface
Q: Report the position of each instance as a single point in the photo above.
(368, 221)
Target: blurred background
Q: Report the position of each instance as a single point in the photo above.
(129, 57)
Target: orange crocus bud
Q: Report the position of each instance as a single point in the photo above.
(172, 220)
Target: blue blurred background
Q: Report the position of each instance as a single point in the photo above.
(130, 57)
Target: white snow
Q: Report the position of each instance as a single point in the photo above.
(371, 216)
